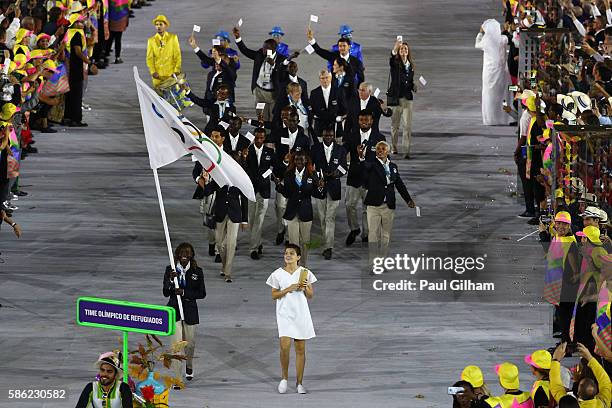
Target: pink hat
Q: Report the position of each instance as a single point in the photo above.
(563, 216)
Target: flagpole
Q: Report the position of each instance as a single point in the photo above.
(168, 244)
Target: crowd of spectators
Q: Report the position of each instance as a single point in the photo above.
(47, 51)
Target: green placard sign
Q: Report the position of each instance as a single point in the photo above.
(127, 317)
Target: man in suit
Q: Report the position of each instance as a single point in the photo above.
(291, 139)
(235, 144)
(230, 210)
(365, 138)
(220, 110)
(329, 159)
(327, 108)
(191, 287)
(368, 102)
(381, 178)
(298, 186)
(223, 72)
(260, 160)
(291, 75)
(344, 46)
(267, 67)
(294, 97)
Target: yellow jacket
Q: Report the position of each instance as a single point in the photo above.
(602, 400)
(163, 56)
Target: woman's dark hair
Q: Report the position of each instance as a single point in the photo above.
(221, 50)
(295, 247)
(466, 386)
(398, 59)
(568, 401)
(342, 62)
(183, 246)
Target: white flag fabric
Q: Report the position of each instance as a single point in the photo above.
(170, 135)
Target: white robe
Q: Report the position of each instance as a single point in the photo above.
(495, 75)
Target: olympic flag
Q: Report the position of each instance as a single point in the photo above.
(170, 135)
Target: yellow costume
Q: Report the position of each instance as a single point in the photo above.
(163, 54)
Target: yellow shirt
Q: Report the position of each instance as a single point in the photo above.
(163, 56)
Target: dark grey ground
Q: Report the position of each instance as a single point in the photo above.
(92, 228)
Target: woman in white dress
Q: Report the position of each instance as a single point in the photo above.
(495, 74)
(292, 313)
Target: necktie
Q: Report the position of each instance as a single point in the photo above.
(387, 171)
(298, 181)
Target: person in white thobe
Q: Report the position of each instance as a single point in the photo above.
(495, 75)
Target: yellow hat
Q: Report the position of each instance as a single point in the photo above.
(50, 65)
(473, 375)
(20, 35)
(8, 110)
(563, 216)
(539, 359)
(508, 375)
(42, 36)
(74, 18)
(163, 19)
(592, 233)
(559, 193)
(61, 5)
(20, 60)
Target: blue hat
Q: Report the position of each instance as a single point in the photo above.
(223, 34)
(345, 30)
(276, 30)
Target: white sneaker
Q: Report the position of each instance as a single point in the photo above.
(282, 386)
(301, 389)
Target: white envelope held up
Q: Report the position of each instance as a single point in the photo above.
(314, 19)
(267, 173)
(400, 38)
(418, 211)
(376, 92)
(240, 23)
(224, 124)
(216, 41)
(260, 105)
(422, 80)
(341, 169)
(285, 141)
(196, 28)
(309, 49)
(250, 136)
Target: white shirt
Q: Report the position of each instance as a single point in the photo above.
(328, 151)
(292, 312)
(299, 174)
(292, 137)
(365, 136)
(234, 141)
(264, 80)
(293, 79)
(363, 103)
(387, 169)
(181, 271)
(346, 57)
(258, 153)
(223, 105)
(326, 92)
(212, 81)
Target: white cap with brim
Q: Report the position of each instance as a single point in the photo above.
(111, 359)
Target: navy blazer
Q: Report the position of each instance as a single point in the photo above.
(302, 143)
(379, 191)
(299, 198)
(211, 109)
(268, 161)
(194, 289)
(283, 101)
(373, 105)
(229, 201)
(324, 116)
(355, 177)
(330, 170)
(258, 58)
(242, 144)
